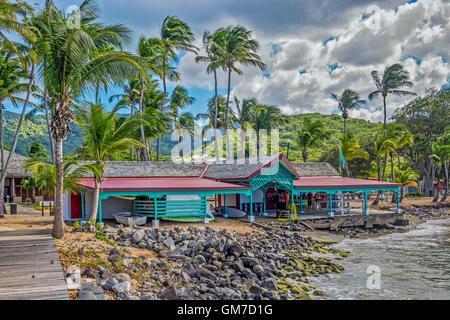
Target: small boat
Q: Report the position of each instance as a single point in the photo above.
(129, 219)
(232, 212)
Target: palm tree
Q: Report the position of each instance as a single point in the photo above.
(348, 100)
(30, 184)
(9, 23)
(444, 140)
(383, 145)
(264, 117)
(394, 77)
(407, 178)
(175, 35)
(244, 113)
(351, 149)
(186, 121)
(103, 140)
(179, 99)
(209, 44)
(68, 74)
(401, 137)
(234, 46)
(311, 134)
(44, 175)
(440, 155)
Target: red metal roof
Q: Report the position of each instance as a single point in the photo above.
(161, 184)
(339, 182)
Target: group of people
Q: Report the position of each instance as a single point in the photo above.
(317, 200)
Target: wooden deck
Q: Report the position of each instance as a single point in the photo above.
(29, 267)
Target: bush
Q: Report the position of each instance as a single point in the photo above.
(77, 224)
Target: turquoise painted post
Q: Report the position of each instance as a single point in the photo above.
(366, 210)
(398, 201)
(82, 204)
(206, 206)
(251, 218)
(301, 202)
(100, 208)
(225, 206)
(156, 207)
(331, 214)
(264, 203)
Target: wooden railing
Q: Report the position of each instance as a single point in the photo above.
(171, 208)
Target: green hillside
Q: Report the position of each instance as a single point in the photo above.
(32, 130)
(36, 130)
(363, 130)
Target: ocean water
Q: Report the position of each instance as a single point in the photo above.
(410, 265)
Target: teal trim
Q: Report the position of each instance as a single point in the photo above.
(334, 190)
(282, 177)
(366, 211)
(251, 205)
(83, 192)
(331, 214)
(206, 206)
(100, 207)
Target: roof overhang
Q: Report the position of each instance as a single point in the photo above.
(337, 182)
(154, 184)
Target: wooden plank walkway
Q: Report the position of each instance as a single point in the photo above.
(29, 267)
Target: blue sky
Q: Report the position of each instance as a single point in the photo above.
(311, 48)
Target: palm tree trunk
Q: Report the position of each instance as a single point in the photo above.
(49, 129)
(226, 114)
(95, 200)
(377, 198)
(33, 194)
(438, 178)
(141, 128)
(444, 198)
(305, 155)
(158, 142)
(347, 168)
(58, 223)
(394, 198)
(216, 144)
(385, 113)
(2, 156)
(16, 138)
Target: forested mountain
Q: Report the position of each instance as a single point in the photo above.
(35, 129)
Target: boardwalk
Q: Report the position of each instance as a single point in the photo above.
(29, 266)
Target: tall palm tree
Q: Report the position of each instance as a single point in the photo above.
(351, 149)
(264, 117)
(444, 140)
(103, 140)
(383, 145)
(392, 80)
(234, 46)
(440, 155)
(209, 44)
(400, 137)
(10, 23)
(186, 121)
(179, 99)
(244, 114)
(175, 35)
(348, 100)
(68, 74)
(311, 134)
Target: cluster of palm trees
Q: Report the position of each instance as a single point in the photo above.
(59, 63)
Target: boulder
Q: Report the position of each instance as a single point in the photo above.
(270, 284)
(110, 283)
(169, 243)
(122, 277)
(122, 288)
(170, 293)
(199, 259)
(235, 250)
(201, 272)
(255, 289)
(137, 236)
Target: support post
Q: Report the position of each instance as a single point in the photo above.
(251, 218)
(205, 218)
(83, 192)
(399, 211)
(100, 208)
(225, 210)
(366, 210)
(155, 206)
(341, 198)
(301, 202)
(331, 214)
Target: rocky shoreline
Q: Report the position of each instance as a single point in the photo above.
(273, 262)
(203, 263)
